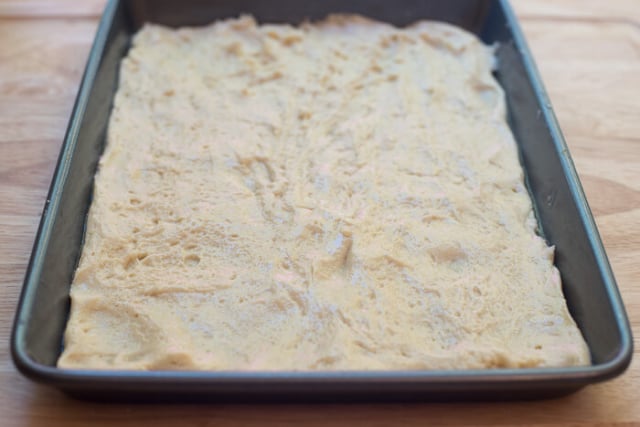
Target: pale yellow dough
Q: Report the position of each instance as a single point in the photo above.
(344, 195)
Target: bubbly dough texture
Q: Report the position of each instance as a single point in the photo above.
(344, 195)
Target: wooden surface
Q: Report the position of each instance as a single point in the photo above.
(588, 52)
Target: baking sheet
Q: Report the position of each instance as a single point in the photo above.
(588, 283)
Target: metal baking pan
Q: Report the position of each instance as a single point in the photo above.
(562, 210)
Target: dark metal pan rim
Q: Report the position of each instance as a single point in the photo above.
(590, 372)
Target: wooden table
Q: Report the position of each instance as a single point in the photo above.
(588, 52)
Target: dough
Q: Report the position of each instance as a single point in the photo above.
(343, 195)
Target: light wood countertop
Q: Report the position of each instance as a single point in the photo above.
(588, 52)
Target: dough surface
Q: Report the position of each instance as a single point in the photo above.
(343, 195)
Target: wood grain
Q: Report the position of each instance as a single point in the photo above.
(573, 10)
(588, 52)
(17, 9)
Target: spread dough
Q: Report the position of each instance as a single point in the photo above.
(339, 195)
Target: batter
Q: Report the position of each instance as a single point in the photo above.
(344, 195)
